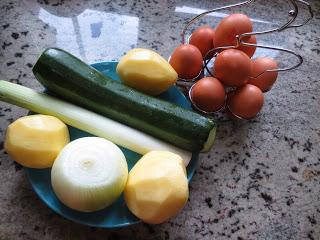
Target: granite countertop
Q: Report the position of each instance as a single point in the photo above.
(261, 178)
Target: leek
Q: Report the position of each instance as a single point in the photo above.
(86, 120)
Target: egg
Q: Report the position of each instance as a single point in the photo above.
(232, 67)
(246, 49)
(245, 102)
(208, 94)
(202, 38)
(231, 26)
(267, 79)
(186, 61)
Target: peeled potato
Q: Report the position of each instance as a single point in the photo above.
(35, 141)
(157, 187)
(146, 71)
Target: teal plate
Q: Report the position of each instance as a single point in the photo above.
(116, 215)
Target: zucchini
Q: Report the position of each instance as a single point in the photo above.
(85, 120)
(73, 80)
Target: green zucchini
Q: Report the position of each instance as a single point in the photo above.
(87, 121)
(71, 79)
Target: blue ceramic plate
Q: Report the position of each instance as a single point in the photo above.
(117, 215)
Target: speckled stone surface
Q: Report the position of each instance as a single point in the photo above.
(260, 180)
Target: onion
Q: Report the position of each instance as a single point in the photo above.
(89, 174)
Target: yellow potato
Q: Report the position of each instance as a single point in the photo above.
(146, 71)
(35, 141)
(157, 187)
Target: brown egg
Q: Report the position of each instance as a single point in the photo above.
(267, 79)
(245, 102)
(249, 50)
(232, 67)
(208, 94)
(187, 61)
(231, 26)
(202, 38)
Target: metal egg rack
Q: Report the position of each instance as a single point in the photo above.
(186, 84)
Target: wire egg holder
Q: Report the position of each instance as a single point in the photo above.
(186, 84)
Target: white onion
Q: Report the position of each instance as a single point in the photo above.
(89, 174)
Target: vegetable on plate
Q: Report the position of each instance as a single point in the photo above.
(86, 120)
(35, 141)
(89, 174)
(157, 187)
(146, 71)
(71, 79)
